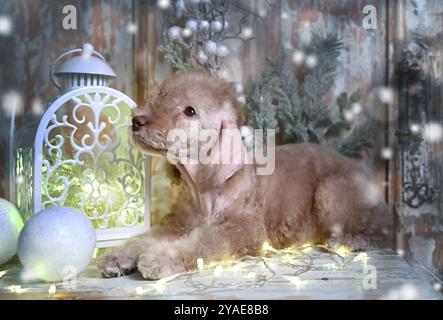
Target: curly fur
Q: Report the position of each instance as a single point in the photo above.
(314, 194)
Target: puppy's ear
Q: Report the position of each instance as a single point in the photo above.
(229, 155)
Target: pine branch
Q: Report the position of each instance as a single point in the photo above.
(173, 53)
(299, 110)
(355, 142)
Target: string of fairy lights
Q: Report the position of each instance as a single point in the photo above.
(254, 272)
(277, 265)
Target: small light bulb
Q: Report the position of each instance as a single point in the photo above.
(52, 289)
(218, 270)
(139, 291)
(200, 264)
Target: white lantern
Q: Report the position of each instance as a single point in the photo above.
(83, 156)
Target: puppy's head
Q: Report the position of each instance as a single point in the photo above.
(185, 98)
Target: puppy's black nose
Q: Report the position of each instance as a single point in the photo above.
(138, 122)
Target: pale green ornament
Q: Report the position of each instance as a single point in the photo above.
(11, 224)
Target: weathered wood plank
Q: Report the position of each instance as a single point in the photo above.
(416, 37)
(310, 275)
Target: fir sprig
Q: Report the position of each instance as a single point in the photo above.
(298, 109)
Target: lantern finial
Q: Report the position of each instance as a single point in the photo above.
(87, 50)
(87, 69)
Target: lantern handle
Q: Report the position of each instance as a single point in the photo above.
(51, 69)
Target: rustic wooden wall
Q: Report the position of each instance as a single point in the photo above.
(369, 63)
(38, 37)
(416, 71)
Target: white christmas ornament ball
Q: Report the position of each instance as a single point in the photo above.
(174, 33)
(203, 24)
(222, 51)
(191, 25)
(10, 225)
(56, 243)
(211, 47)
(216, 26)
(202, 57)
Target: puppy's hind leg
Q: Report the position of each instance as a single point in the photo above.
(349, 209)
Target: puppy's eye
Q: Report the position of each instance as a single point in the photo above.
(190, 111)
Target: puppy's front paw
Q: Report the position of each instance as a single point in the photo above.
(159, 263)
(116, 264)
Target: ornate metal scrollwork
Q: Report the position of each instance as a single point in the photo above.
(413, 115)
(85, 159)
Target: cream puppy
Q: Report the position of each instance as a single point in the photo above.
(313, 195)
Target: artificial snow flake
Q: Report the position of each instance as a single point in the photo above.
(387, 153)
(238, 87)
(37, 106)
(356, 108)
(131, 28)
(241, 99)
(247, 33)
(284, 15)
(415, 128)
(437, 286)
(433, 132)
(5, 25)
(386, 95)
(163, 4)
(349, 115)
(19, 179)
(400, 252)
(298, 57)
(12, 103)
(311, 61)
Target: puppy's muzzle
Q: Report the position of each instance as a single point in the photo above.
(138, 122)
